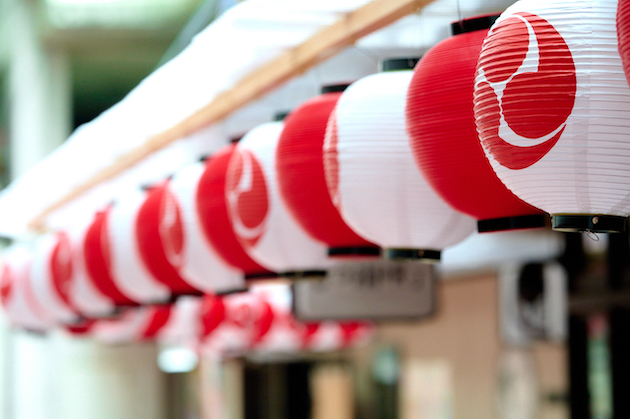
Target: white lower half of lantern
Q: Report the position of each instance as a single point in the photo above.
(381, 194)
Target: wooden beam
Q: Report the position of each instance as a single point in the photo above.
(326, 42)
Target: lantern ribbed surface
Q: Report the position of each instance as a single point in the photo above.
(444, 140)
(160, 239)
(130, 272)
(258, 214)
(201, 266)
(96, 248)
(213, 214)
(552, 107)
(373, 178)
(52, 276)
(300, 167)
(16, 294)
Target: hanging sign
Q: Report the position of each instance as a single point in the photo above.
(370, 290)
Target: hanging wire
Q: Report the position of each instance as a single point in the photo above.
(592, 235)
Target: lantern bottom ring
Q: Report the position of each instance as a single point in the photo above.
(234, 291)
(262, 275)
(360, 251)
(298, 275)
(425, 255)
(175, 295)
(596, 223)
(512, 223)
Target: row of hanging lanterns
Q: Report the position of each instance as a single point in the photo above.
(512, 118)
(259, 320)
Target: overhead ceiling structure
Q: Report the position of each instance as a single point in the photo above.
(258, 58)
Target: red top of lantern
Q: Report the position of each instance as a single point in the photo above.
(160, 239)
(302, 179)
(441, 125)
(98, 264)
(213, 214)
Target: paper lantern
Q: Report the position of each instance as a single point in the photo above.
(84, 295)
(160, 237)
(231, 323)
(16, 294)
(52, 276)
(213, 214)
(276, 330)
(113, 258)
(259, 217)
(200, 263)
(183, 325)
(444, 140)
(333, 336)
(372, 176)
(300, 167)
(96, 251)
(134, 324)
(552, 107)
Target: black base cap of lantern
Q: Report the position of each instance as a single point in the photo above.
(396, 64)
(426, 255)
(176, 295)
(354, 251)
(262, 275)
(596, 223)
(234, 291)
(473, 24)
(312, 274)
(280, 116)
(512, 223)
(332, 88)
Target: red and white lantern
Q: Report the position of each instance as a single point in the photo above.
(134, 324)
(16, 293)
(444, 140)
(160, 236)
(212, 207)
(333, 336)
(300, 166)
(113, 257)
(372, 176)
(552, 107)
(231, 323)
(258, 214)
(84, 295)
(183, 325)
(200, 264)
(52, 274)
(97, 254)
